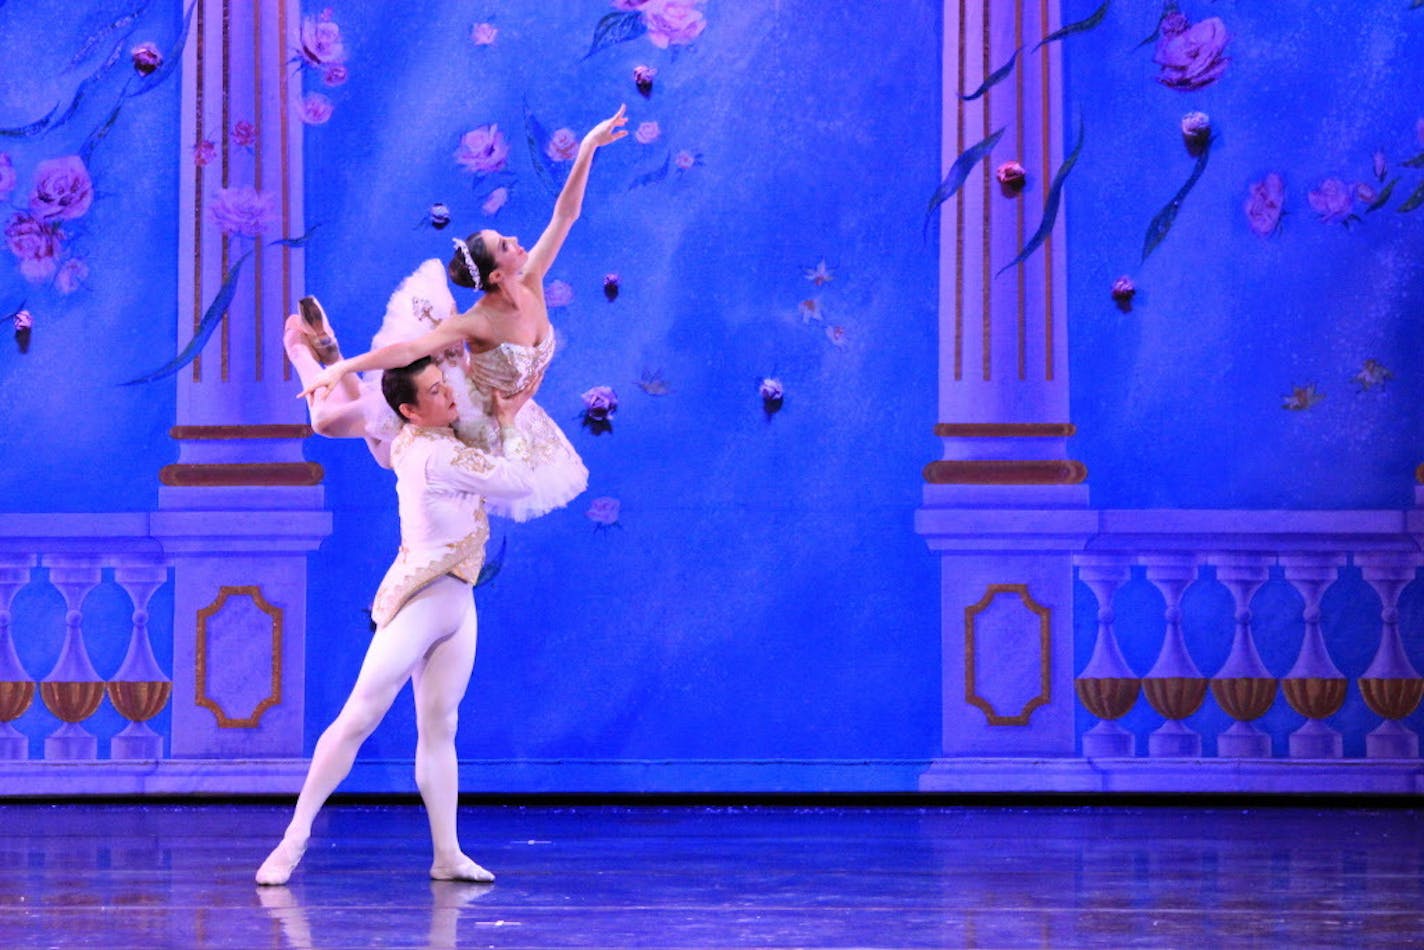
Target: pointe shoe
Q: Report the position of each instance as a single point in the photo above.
(320, 336)
(466, 870)
(280, 864)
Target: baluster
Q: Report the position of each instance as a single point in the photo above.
(17, 690)
(1107, 687)
(139, 690)
(72, 690)
(1174, 686)
(1391, 686)
(1314, 687)
(1243, 687)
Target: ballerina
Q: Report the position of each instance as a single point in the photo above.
(503, 344)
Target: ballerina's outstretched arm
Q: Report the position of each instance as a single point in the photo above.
(454, 331)
(570, 200)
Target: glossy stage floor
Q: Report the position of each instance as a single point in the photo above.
(136, 875)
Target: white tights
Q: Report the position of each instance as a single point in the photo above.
(338, 414)
(431, 641)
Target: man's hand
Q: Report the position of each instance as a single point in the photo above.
(505, 408)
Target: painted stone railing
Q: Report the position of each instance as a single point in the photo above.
(1243, 551)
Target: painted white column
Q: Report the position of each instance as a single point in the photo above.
(241, 508)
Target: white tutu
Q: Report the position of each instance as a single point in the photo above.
(421, 302)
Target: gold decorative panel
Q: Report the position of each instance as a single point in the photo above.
(972, 655)
(203, 657)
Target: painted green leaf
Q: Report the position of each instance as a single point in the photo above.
(994, 78)
(1169, 6)
(211, 318)
(492, 565)
(98, 36)
(1050, 205)
(97, 136)
(1082, 26)
(535, 135)
(959, 171)
(1413, 201)
(1418, 160)
(656, 175)
(1162, 223)
(616, 27)
(299, 241)
(1383, 196)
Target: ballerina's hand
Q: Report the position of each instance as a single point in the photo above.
(324, 383)
(609, 130)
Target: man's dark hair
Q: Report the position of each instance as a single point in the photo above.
(398, 385)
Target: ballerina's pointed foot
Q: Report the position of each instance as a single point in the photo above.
(461, 869)
(321, 337)
(283, 860)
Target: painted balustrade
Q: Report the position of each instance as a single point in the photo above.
(1310, 551)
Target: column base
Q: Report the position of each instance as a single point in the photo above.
(1243, 741)
(1108, 740)
(71, 743)
(1392, 740)
(14, 746)
(1174, 740)
(136, 741)
(1316, 740)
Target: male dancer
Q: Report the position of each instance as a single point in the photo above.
(424, 614)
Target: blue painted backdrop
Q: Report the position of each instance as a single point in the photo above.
(763, 597)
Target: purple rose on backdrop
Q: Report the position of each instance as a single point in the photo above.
(599, 406)
(1011, 177)
(497, 199)
(1123, 290)
(335, 74)
(204, 153)
(483, 34)
(647, 132)
(244, 134)
(563, 145)
(772, 395)
(146, 59)
(1196, 132)
(321, 41)
(685, 160)
(439, 215)
(1364, 193)
(1381, 166)
(71, 276)
(672, 22)
(1333, 200)
(1263, 204)
(483, 150)
(1190, 54)
(628, 4)
(611, 286)
(24, 326)
(558, 294)
(603, 512)
(7, 175)
(36, 243)
(316, 109)
(643, 78)
(62, 189)
(245, 211)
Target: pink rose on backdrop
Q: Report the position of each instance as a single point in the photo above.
(244, 134)
(497, 199)
(71, 276)
(1196, 132)
(1190, 54)
(563, 145)
(603, 512)
(204, 153)
(647, 132)
(1364, 193)
(484, 34)
(1123, 290)
(483, 150)
(672, 22)
(146, 59)
(600, 404)
(245, 211)
(1263, 204)
(1011, 176)
(1333, 200)
(611, 286)
(558, 294)
(321, 41)
(335, 75)
(316, 109)
(7, 175)
(62, 189)
(643, 79)
(685, 160)
(23, 320)
(837, 335)
(36, 243)
(772, 394)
